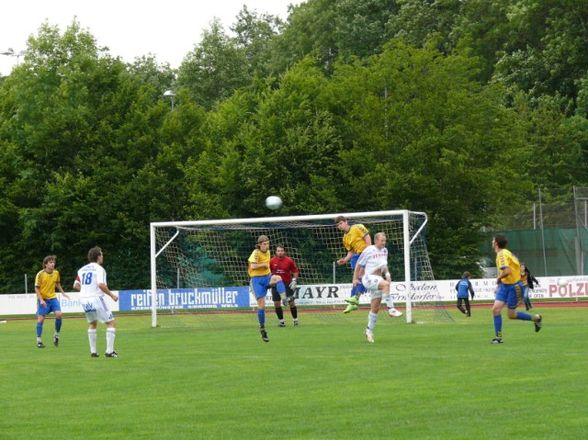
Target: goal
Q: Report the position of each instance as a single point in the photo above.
(201, 266)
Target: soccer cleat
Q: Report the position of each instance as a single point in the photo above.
(56, 340)
(264, 336)
(281, 324)
(113, 354)
(393, 313)
(40, 345)
(369, 335)
(354, 300)
(497, 340)
(538, 322)
(94, 355)
(296, 323)
(350, 308)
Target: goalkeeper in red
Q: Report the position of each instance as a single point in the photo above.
(284, 266)
(509, 288)
(262, 279)
(372, 272)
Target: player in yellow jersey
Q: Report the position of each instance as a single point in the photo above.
(355, 240)
(45, 283)
(509, 288)
(258, 267)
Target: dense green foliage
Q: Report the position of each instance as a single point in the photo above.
(211, 377)
(457, 108)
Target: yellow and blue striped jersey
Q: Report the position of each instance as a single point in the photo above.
(504, 258)
(353, 239)
(46, 283)
(259, 257)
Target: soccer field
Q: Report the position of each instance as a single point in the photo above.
(212, 377)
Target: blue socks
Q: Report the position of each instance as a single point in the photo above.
(358, 290)
(524, 316)
(498, 325)
(39, 329)
(57, 325)
(261, 316)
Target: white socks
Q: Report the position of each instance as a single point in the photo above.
(390, 302)
(110, 335)
(92, 339)
(372, 318)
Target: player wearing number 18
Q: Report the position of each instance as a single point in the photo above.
(91, 282)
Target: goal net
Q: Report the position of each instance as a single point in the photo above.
(201, 266)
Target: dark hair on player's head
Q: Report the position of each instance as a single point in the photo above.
(501, 241)
(93, 254)
(49, 258)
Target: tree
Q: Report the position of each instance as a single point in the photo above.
(419, 132)
(98, 154)
(254, 34)
(215, 69)
(419, 21)
(550, 55)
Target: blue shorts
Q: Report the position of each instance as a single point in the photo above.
(260, 284)
(511, 294)
(353, 261)
(52, 306)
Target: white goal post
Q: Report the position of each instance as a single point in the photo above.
(212, 254)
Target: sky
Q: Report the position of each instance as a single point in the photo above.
(168, 29)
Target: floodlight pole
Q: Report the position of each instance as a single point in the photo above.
(172, 96)
(11, 53)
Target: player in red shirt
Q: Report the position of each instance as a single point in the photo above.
(285, 267)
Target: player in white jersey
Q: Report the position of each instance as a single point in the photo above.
(372, 271)
(91, 282)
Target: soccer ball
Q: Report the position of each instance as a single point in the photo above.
(562, 282)
(273, 202)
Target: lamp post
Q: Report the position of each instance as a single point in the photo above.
(11, 53)
(172, 96)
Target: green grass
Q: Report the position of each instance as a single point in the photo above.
(213, 377)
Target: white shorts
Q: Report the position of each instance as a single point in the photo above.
(96, 309)
(371, 283)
